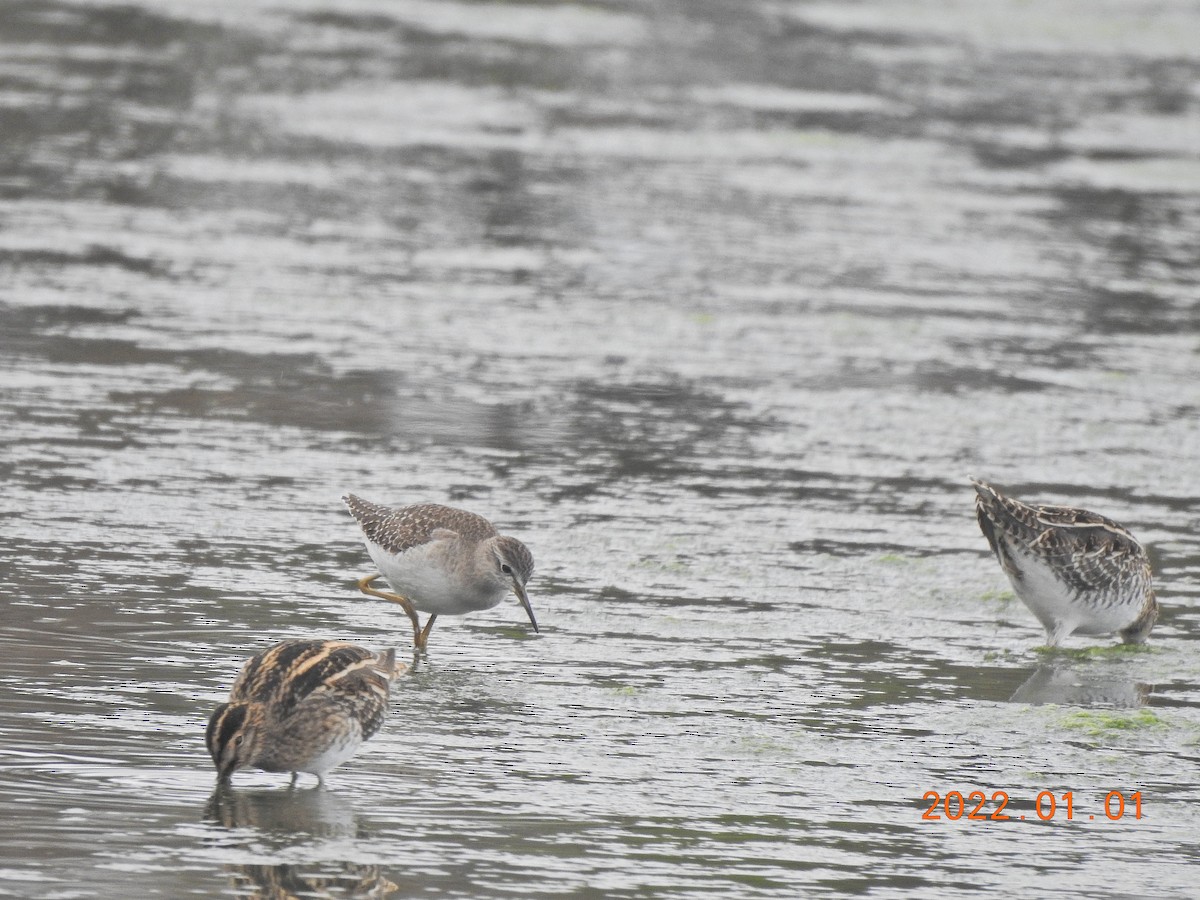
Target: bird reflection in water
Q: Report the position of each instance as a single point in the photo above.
(284, 819)
(1067, 686)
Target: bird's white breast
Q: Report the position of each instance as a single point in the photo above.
(435, 579)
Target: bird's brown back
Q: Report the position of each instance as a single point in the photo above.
(288, 672)
(397, 529)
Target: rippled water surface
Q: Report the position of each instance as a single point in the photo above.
(716, 305)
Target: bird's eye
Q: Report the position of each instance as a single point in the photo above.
(506, 568)
(237, 741)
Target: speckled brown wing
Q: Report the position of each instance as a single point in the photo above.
(1087, 551)
(1095, 552)
(397, 529)
(363, 688)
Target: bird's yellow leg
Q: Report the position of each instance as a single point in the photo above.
(424, 635)
(364, 585)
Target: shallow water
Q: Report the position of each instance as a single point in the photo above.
(716, 306)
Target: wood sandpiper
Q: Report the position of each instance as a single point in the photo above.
(441, 561)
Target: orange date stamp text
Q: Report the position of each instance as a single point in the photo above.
(977, 806)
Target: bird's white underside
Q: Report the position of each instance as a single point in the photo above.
(419, 574)
(1060, 609)
(334, 756)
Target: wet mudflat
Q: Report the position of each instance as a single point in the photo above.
(716, 306)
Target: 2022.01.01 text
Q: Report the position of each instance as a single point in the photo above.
(955, 805)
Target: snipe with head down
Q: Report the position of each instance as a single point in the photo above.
(301, 706)
(1076, 570)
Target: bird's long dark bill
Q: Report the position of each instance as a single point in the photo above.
(519, 590)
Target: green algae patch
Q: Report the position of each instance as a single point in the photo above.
(998, 597)
(1110, 651)
(1101, 723)
(623, 690)
(900, 559)
(1004, 656)
(753, 745)
(661, 564)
